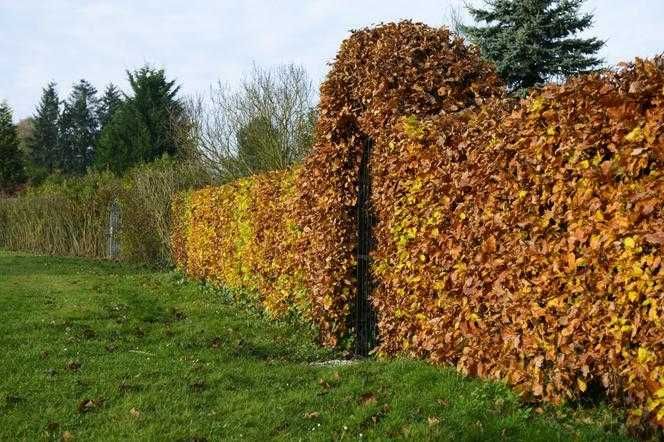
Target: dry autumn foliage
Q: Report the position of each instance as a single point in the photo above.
(519, 241)
(525, 244)
(244, 234)
(379, 75)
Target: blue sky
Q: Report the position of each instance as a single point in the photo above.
(202, 41)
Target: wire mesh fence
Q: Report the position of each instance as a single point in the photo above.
(365, 316)
(114, 213)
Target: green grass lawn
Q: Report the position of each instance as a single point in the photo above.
(103, 351)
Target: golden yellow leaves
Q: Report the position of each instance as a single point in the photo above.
(636, 135)
(243, 235)
(581, 384)
(413, 128)
(644, 355)
(537, 105)
(633, 296)
(555, 303)
(629, 243)
(574, 262)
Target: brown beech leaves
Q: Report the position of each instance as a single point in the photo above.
(522, 240)
(379, 75)
(517, 240)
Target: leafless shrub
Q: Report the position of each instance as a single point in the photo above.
(266, 123)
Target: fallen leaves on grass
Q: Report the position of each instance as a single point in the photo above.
(87, 405)
(177, 315)
(312, 415)
(368, 399)
(381, 413)
(73, 365)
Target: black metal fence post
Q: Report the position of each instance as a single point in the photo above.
(365, 317)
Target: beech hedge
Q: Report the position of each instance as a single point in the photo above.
(517, 240)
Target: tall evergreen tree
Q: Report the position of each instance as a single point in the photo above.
(155, 100)
(43, 144)
(79, 128)
(141, 129)
(110, 101)
(532, 41)
(12, 168)
(123, 141)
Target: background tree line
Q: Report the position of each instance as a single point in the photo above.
(113, 131)
(265, 123)
(138, 150)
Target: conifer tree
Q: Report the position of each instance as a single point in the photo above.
(141, 129)
(123, 142)
(12, 168)
(110, 101)
(43, 143)
(79, 129)
(155, 100)
(532, 41)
